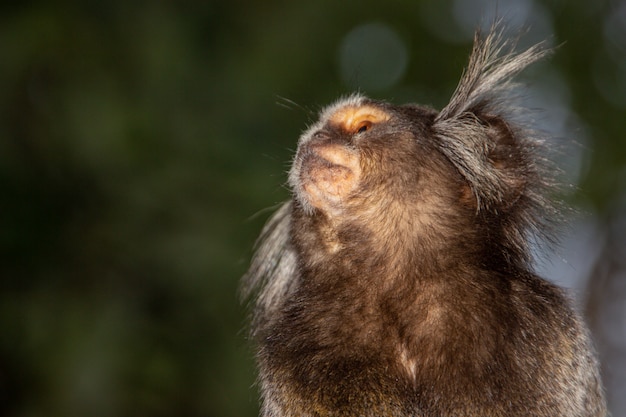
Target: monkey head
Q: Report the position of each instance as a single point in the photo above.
(409, 177)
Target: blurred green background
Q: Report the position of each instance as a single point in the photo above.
(142, 144)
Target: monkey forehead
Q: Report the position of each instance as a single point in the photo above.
(350, 117)
(349, 113)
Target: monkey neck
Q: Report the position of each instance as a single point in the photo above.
(350, 274)
(406, 317)
(385, 253)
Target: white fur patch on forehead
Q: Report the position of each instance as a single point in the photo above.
(353, 100)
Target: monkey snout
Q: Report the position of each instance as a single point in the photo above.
(329, 172)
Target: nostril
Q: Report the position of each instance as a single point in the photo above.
(321, 137)
(326, 136)
(321, 134)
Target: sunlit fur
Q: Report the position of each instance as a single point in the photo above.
(397, 281)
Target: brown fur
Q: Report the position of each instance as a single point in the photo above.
(397, 282)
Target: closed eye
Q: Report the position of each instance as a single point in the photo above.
(363, 126)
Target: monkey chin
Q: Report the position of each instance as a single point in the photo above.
(328, 175)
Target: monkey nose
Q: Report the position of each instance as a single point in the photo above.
(336, 154)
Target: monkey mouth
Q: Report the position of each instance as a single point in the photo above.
(329, 172)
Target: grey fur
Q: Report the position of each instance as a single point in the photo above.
(273, 268)
(486, 85)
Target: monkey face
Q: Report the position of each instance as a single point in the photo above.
(360, 154)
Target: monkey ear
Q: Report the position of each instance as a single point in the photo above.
(475, 130)
(510, 156)
(475, 144)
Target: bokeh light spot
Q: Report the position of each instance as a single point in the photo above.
(372, 57)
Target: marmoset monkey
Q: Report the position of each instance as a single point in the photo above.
(398, 279)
